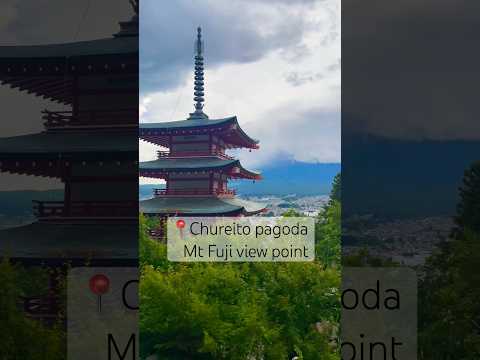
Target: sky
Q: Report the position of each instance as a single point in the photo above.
(410, 69)
(274, 64)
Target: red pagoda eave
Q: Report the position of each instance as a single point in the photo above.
(42, 168)
(51, 77)
(231, 173)
(227, 129)
(231, 139)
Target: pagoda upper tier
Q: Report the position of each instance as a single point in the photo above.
(52, 70)
(225, 132)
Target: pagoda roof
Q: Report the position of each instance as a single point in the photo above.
(42, 242)
(43, 69)
(95, 142)
(228, 128)
(193, 164)
(97, 47)
(199, 206)
(49, 152)
(189, 123)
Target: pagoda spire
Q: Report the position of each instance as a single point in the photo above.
(198, 84)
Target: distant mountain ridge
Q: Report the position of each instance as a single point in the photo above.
(19, 203)
(291, 177)
(288, 177)
(403, 178)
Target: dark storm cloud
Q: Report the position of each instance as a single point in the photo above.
(46, 21)
(233, 32)
(288, 2)
(410, 68)
(295, 78)
(317, 127)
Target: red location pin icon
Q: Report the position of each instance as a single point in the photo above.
(99, 285)
(180, 225)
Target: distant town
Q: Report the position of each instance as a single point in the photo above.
(408, 241)
(278, 204)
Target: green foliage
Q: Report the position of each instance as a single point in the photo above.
(233, 311)
(469, 207)
(152, 253)
(327, 234)
(363, 258)
(449, 310)
(291, 213)
(242, 310)
(23, 338)
(449, 306)
(336, 192)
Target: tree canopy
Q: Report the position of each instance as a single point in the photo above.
(242, 310)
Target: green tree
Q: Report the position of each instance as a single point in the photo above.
(336, 192)
(449, 307)
(449, 311)
(242, 310)
(237, 311)
(327, 234)
(468, 209)
(291, 213)
(23, 338)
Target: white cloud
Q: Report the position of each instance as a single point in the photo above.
(295, 119)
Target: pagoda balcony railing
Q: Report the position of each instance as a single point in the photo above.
(41, 307)
(87, 209)
(181, 154)
(63, 119)
(192, 192)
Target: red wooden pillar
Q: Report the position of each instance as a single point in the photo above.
(67, 200)
(75, 98)
(211, 183)
(170, 145)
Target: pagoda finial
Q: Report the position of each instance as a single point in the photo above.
(198, 84)
(135, 5)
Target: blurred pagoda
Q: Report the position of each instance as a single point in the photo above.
(92, 148)
(196, 168)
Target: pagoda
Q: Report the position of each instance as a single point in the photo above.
(195, 167)
(92, 148)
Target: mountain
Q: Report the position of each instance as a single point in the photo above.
(403, 178)
(145, 191)
(19, 203)
(288, 177)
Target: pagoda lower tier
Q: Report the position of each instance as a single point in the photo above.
(96, 243)
(193, 167)
(97, 166)
(197, 186)
(199, 206)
